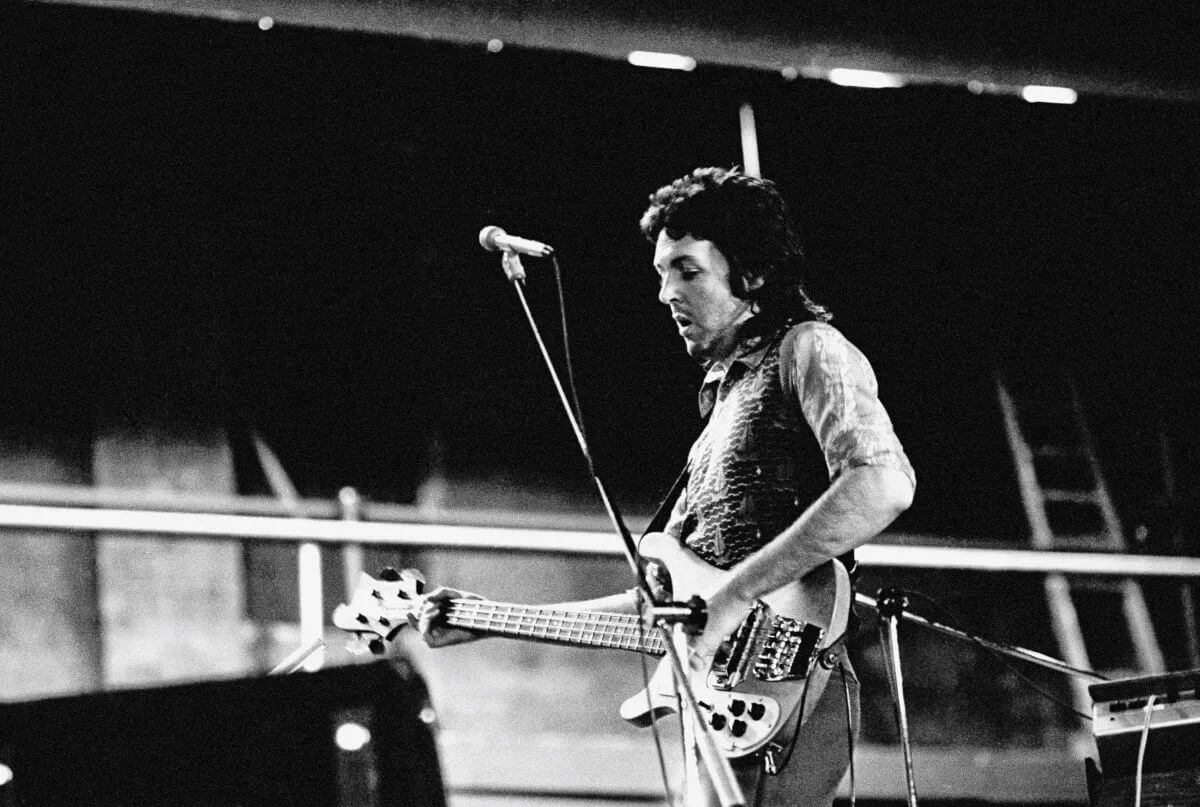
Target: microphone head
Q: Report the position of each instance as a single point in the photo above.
(488, 236)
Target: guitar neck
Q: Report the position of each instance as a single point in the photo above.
(541, 624)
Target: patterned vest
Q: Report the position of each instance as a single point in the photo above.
(754, 469)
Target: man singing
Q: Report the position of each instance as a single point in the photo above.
(797, 464)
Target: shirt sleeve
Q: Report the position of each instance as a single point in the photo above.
(839, 396)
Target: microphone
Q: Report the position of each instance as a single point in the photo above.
(493, 239)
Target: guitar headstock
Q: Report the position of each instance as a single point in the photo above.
(379, 608)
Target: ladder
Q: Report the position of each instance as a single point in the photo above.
(1068, 506)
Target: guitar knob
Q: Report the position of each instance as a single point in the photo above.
(717, 722)
(377, 647)
(757, 710)
(389, 574)
(738, 728)
(737, 706)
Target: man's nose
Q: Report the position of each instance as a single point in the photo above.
(666, 291)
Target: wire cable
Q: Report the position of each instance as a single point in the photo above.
(662, 761)
(849, 736)
(1029, 682)
(576, 406)
(1141, 757)
(566, 346)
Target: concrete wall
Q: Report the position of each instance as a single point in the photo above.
(170, 609)
(49, 622)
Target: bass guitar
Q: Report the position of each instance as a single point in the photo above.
(762, 673)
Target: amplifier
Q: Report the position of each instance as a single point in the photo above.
(1119, 716)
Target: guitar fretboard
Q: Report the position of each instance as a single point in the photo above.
(585, 628)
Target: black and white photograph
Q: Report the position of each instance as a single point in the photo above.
(561, 404)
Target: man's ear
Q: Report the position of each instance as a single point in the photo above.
(754, 282)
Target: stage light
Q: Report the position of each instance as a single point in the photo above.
(265, 23)
(871, 79)
(666, 61)
(790, 73)
(495, 45)
(352, 736)
(1037, 94)
(6, 775)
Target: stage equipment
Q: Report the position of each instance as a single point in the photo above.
(357, 735)
(720, 773)
(1119, 722)
(891, 605)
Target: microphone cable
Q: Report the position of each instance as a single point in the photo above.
(573, 391)
(566, 347)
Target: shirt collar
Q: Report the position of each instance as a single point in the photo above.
(749, 353)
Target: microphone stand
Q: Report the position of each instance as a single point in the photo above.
(719, 770)
(891, 606)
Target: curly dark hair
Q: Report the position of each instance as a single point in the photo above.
(748, 221)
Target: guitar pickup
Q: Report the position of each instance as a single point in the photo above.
(737, 657)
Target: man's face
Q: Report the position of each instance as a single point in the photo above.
(694, 282)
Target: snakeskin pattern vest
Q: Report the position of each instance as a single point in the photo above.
(754, 469)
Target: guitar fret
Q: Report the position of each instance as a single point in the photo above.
(588, 628)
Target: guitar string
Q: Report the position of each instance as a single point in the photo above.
(516, 611)
(506, 612)
(613, 629)
(618, 631)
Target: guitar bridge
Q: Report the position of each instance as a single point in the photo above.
(791, 651)
(766, 647)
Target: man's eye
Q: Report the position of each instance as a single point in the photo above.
(688, 274)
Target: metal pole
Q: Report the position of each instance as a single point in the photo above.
(749, 131)
(891, 604)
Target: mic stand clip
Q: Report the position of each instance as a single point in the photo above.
(690, 616)
(510, 262)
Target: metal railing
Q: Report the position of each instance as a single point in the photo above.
(97, 510)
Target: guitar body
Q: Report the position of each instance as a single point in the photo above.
(746, 711)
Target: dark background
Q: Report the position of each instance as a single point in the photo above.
(209, 224)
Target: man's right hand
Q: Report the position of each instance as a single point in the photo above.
(430, 618)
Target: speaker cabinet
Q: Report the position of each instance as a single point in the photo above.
(359, 735)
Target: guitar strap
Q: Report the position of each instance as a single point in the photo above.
(668, 503)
